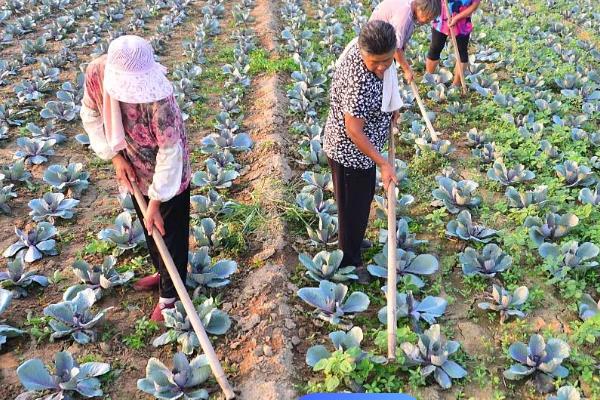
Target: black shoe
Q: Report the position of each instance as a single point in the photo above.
(364, 277)
(366, 244)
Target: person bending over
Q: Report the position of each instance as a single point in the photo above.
(403, 15)
(460, 22)
(132, 119)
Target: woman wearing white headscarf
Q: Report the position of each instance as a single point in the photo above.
(132, 119)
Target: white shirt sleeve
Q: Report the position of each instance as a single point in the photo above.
(167, 173)
(94, 127)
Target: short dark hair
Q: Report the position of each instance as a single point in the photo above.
(431, 8)
(377, 37)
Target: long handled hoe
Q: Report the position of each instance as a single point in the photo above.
(415, 90)
(207, 348)
(391, 243)
(459, 65)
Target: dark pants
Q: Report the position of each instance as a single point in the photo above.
(176, 217)
(438, 41)
(354, 190)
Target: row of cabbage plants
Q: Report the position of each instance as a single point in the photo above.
(221, 171)
(533, 129)
(455, 195)
(73, 317)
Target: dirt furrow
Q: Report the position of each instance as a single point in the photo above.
(263, 347)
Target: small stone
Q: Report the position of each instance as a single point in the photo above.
(539, 324)
(302, 332)
(258, 351)
(267, 350)
(105, 347)
(296, 340)
(74, 348)
(289, 324)
(227, 307)
(251, 322)
(284, 309)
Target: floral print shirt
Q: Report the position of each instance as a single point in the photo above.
(357, 91)
(154, 134)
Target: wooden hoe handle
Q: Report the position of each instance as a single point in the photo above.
(207, 348)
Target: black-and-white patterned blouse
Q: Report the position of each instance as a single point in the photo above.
(357, 91)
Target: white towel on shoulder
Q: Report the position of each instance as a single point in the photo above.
(391, 100)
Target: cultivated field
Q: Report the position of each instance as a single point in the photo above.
(498, 220)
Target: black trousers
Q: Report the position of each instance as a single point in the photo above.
(354, 190)
(176, 217)
(438, 41)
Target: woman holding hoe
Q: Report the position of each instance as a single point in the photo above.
(460, 22)
(132, 119)
(357, 128)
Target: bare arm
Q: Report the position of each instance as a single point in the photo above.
(355, 131)
(467, 12)
(401, 60)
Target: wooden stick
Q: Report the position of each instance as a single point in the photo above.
(207, 348)
(459, 65)
(415, 90)
(391, 243)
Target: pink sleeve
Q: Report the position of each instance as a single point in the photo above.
(93, 85)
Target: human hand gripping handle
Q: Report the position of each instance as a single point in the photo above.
(153, 219)
(467, 12)
(127, 178)
(125, 172)
(406, 69)
(388, 174)
(408, 75)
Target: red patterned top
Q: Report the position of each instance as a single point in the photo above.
(148, 127)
